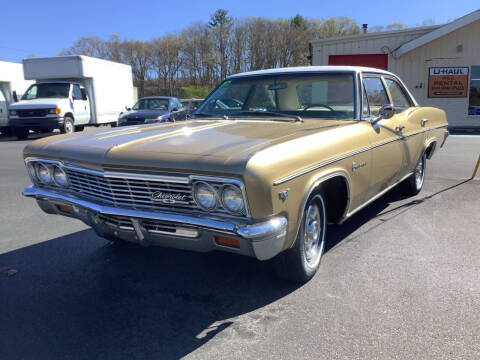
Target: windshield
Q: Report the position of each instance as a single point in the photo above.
(151, 104)
(38, 91)
(326, 96)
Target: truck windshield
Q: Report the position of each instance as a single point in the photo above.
(38, 91)
(308, 95)
(151, 104)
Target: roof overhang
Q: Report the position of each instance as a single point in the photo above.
(438, 33)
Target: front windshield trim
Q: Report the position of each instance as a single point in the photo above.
(278, 76)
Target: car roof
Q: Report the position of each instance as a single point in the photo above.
(158, 97)
(310, 69)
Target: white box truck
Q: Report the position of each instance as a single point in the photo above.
(71, 92)
(12, 87)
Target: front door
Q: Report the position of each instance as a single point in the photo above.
(3, 109)
(81, 107)
(387, 147)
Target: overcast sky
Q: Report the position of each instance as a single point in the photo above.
(44, 27)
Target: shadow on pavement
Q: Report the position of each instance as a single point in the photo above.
(79, 297)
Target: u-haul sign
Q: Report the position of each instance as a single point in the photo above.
(445, 82)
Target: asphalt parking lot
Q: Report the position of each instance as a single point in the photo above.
(400, 280)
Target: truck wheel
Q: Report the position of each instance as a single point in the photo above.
(114, 124)
(301, 262)
(79, 127)
(20, 133)
(68, 126)
(412, 185)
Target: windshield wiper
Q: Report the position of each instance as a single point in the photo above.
(271, 113)
(225, 117)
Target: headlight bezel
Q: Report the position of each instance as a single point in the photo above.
(33, 164)
(219, 185)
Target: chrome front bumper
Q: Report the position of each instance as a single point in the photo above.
(262, 240)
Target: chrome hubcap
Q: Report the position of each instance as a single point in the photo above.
(419, 172)
(313, 238)
(68, 127)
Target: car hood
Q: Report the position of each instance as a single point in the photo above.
(44, 103)
(143, 114)
(205, 146)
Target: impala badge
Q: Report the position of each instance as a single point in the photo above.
(169, 198)
(356, 166)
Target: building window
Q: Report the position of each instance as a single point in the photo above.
(474, 100)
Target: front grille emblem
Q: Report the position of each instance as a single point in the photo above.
(169, 198)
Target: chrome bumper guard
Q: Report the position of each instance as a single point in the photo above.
(262, 240)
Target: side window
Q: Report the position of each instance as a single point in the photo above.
(400, 100)
(77, 94)
(366, 109)
(376, 94)
(32, 93)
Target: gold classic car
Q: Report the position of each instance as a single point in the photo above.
(266, 162)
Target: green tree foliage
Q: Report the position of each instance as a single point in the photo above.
(192, 61)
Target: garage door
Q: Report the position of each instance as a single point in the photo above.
(379, 61)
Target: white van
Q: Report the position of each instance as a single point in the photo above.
(71, 92)
(12, 87)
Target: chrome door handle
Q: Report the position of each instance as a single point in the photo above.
(423, 122)
(399, 128)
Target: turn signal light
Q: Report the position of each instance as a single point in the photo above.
(64, 209)
(225, 241)
(58, 111)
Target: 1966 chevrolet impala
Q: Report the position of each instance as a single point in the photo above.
(268, 160)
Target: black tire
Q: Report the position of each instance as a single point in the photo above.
(6, 131)
(68, 126)
(412, 185)
(298, 264)
(114, 124)
(20, 133)
(79, 127)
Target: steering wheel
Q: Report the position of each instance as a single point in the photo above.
(317, 105)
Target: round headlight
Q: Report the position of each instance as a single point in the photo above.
(59, 176)
(205, 196)
(232, 199)
(43, 173)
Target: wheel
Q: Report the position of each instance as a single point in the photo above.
(20, 133)
(79, 127)
(413, 184)
(114, 124)
(301, 262)
(68, 126)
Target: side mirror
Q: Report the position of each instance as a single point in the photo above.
(127, 108)
(385, 112)
(84, 94)
(15, 96)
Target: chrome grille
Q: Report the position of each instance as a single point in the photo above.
(132, 193)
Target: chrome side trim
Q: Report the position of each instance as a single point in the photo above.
(328, 162)
(342, 157)
(381, 193)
